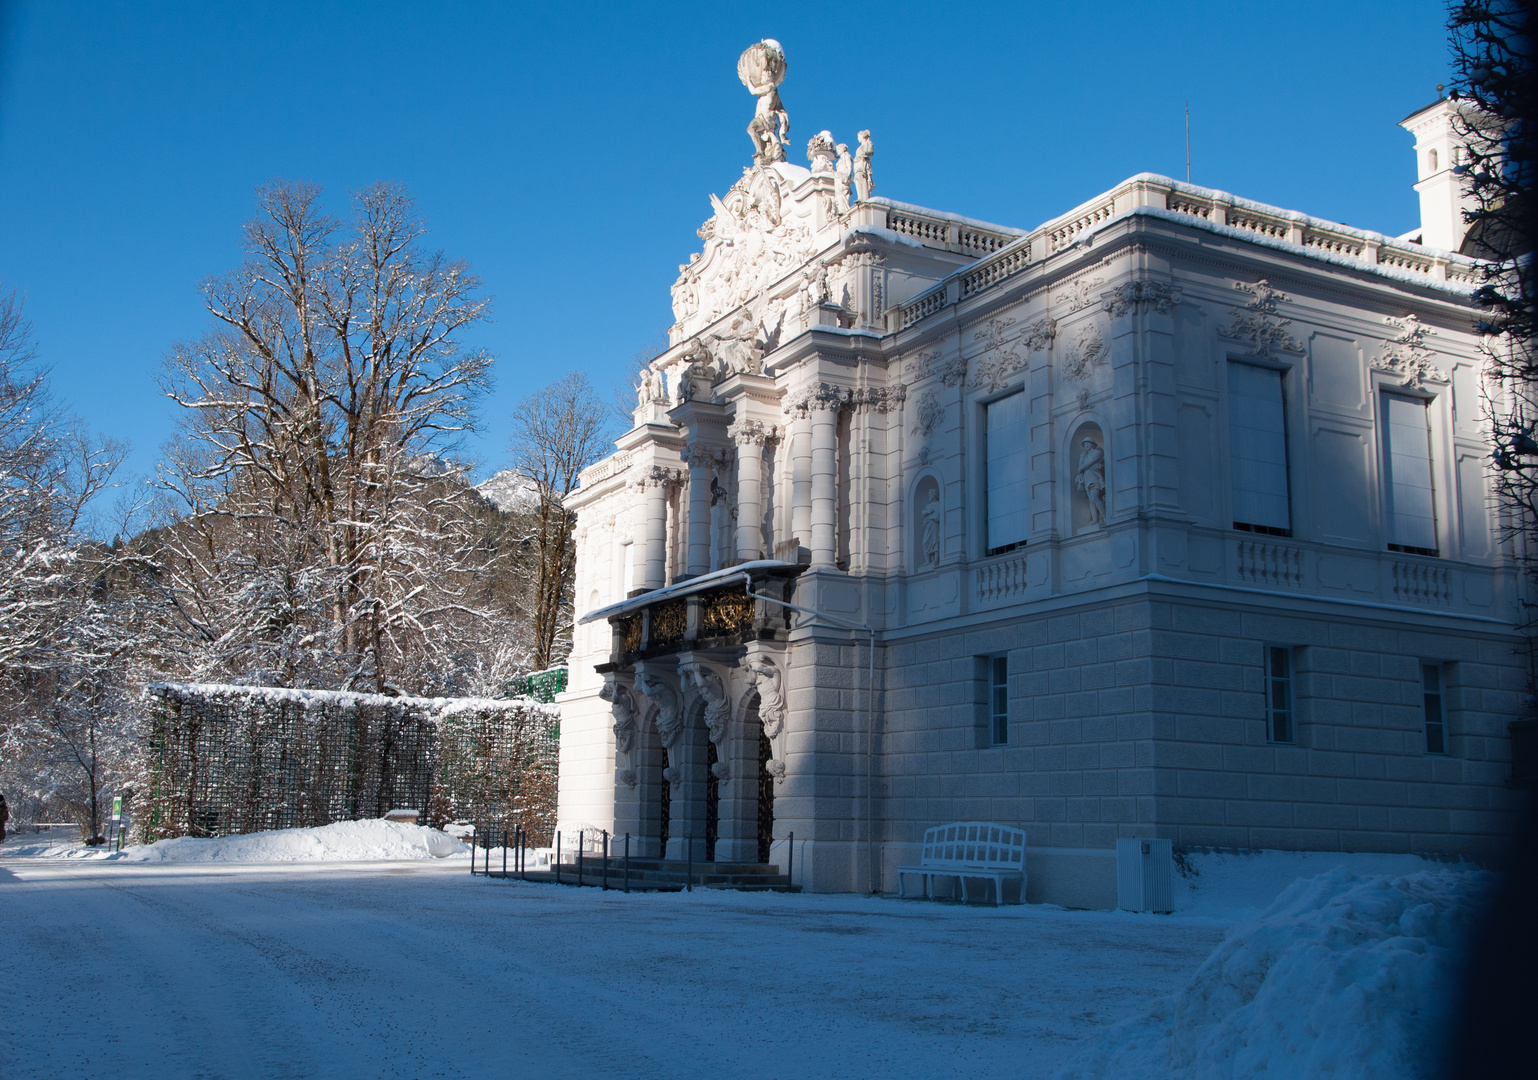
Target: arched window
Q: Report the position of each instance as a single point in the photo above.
(1431, 161)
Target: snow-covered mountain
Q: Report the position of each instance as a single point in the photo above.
(509, 490)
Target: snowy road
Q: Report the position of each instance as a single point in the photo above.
(417, 970)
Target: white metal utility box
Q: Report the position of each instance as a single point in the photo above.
(1145, 875)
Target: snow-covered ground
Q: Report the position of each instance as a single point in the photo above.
(345, 841)
(202, 966)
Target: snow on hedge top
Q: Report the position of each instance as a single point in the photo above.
(345, 698)
(1343, 976)
(343, 841)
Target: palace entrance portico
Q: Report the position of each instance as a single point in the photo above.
(696, 683)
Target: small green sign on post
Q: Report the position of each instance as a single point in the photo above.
(117, 822)
(117, 808)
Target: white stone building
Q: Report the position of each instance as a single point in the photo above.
(1168, 517)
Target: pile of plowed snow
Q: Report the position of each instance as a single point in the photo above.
(344, 841)
(1343, 976)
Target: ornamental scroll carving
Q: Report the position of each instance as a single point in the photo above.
(1078, 295)
(880, 399)
(1001, 360)
(748, 432)
(1133, 296)
(928, 364)
(1408, 354)
(816, 397)
(660, 476)
(1259, 323)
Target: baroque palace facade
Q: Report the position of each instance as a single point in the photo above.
(1167, 518)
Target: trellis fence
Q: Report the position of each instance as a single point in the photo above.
(223, 760)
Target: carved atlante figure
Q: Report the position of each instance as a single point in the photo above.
(843, 173)
(931, 518)
(1091, 479)
(761, 68)
(863, 184)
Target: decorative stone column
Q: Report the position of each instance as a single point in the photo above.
(656, 515)
(750, 437)
(702, 464)
(824, 402)
(799, 442)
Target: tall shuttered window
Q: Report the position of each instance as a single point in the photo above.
(1257, 445)
(998, 700)
(1431, 700)
(1408, 493)
(1279, 725)
(1008, 478)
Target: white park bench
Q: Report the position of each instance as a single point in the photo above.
(980, 850)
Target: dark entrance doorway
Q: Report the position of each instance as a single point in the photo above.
(765, 797)
(667, 795)
(712, 801)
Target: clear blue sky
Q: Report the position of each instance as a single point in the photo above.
(567, 151)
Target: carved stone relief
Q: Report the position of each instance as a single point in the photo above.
(1258, 324)
(927, 415)
(1408, 354)
(1087, 354)
(1077, 295)
(1132, 296)
(928, 364)
(999, 361)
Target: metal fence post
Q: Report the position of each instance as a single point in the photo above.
(581, 846)
(627, 862)
(557, 858)
(605, 887)
(504, 852)
(472, 856)
(689, 884)
(790, 863)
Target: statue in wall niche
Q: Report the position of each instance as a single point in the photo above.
(863, 184)
(761, 67)
(1091, 479)
(843, 176)
(821, 151)
(930, 516)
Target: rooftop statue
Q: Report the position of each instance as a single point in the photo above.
(761, 68)
(863, 185)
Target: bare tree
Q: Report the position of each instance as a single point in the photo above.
(64, 641)
(322, 531)
(1493, 90)
(557, 432)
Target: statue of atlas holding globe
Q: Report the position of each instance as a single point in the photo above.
(761, 67)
